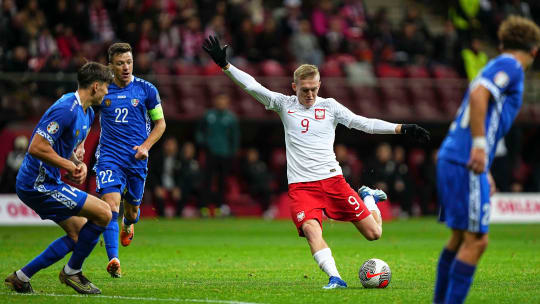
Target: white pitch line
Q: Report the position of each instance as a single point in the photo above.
(129, 298)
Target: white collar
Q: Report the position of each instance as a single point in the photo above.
(78, 97)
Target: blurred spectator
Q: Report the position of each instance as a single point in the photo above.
(410, 46)
(100, 23)
(334, 41)
(168, 38)
(413, 15)
(19, 61)
(218, 132)
(342, 156)
(46, 44)
(320, 17)
(289, 18)
(192, 39)
(517, 7)
(378, 173)
(258, 180)
(355, 17)
(305, 47)
(474, 58)
(33, 17)
(191, 177)
(13, 163)
(464, 15)
(68, 44)
(244, 40)
(217, 28)
(447, 46)
(165, 175)
(146, 42)
(402, 188)
(269, 42)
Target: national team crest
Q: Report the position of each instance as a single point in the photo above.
(52, 127)
(320, 113)
(107, 102)
(77, 133)
(134, 102)
(300, 216)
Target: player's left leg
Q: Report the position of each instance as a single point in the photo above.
(443, 266)
(133, 195)
(464, 266)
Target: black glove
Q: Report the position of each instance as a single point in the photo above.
(415, 131)
(218, 54)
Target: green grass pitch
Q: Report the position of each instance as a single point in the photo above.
(256, 261)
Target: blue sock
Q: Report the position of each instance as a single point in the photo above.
(129, 222)
(461, 276)
(88, 238)
(54, 253)
(110, 236)
(443, 269)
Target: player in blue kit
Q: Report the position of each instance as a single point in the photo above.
(62, 128)
(126, 137)
(486, 114)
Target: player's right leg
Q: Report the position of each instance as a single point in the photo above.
(99, 215)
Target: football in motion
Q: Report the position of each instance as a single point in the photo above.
(375, 273)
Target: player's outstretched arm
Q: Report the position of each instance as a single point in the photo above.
(41, 149)
(245, 81)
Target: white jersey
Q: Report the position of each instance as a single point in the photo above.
(309, 132)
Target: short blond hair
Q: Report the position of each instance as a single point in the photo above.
(518, 33)
(305, 71)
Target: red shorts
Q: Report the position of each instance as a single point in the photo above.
(332, 195)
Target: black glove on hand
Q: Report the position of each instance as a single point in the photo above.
(415, 131)
(218, 54)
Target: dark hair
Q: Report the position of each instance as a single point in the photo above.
(518, 33)
(92, 72)
(118, 48)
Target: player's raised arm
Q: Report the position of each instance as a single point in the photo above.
(241, 78)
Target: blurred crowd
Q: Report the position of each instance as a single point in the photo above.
(40, 35)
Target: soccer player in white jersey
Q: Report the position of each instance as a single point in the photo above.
(316, 183)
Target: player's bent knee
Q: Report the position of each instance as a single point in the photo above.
(104, 216)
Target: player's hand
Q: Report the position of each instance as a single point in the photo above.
(415, 131)
(79, 174)
(79, 152)
(477, 161)
(142, 152)
(218, 54)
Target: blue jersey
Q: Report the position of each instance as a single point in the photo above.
(503, 76)
(65, 125)
(125, 122)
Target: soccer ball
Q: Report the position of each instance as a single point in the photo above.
(375, 273)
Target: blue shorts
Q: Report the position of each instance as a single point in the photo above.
(52, 200)
(463, 197)
(127, 181)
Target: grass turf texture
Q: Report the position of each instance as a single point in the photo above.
(249, 260)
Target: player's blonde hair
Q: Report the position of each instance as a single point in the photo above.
(518, 33)
(305, 71)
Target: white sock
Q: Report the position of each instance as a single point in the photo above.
(22, 276)
(326, 262)
(371, 205)
(69, 271)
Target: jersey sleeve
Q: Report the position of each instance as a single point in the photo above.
(153, 102)
(271, 100)
(54, 122)
(347, 118)
(500, 76)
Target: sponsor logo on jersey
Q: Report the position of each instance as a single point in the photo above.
(121, 96)
(320, 113)
(134, 102)
(300, 216)
(290, 112)
(52, 127)
(107, 102)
